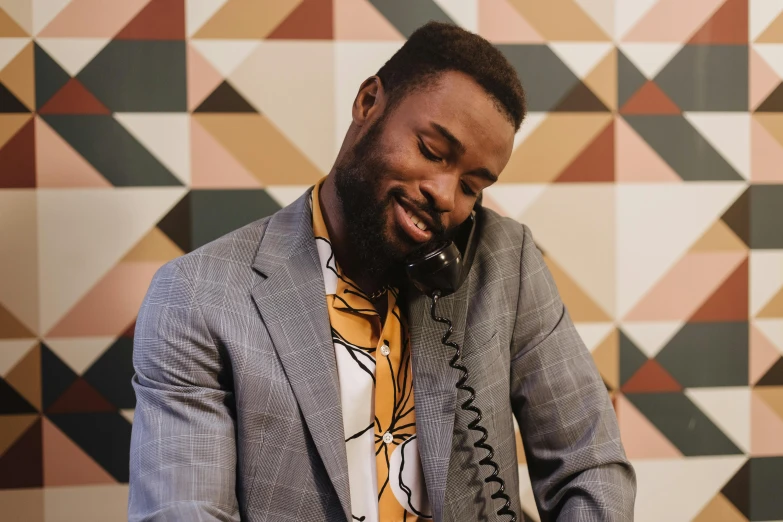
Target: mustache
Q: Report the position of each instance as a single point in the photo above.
(437, 229)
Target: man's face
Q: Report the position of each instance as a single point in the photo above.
(414, 173)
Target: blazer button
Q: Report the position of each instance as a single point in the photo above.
(388, 437)
(385, 350)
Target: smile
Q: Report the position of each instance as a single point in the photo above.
(412, 223)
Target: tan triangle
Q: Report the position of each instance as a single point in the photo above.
(560, 20)
(719, 238)
(19, 76)
(25, 377)
(581, 307)
(11, 327)
(773, 396)
(12, 351)
(12, 427)
(602, 80)
(79, 353)
(9, 28)
(10, 124)
(773, 33)
(720, 510)
(260, 148)
(155, 246)
(552, 146)
(128, 414)
(607, 358)
(773, 123)
(774, 308)
(66, 464)
(247, 19)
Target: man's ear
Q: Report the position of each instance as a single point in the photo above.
(368, 101)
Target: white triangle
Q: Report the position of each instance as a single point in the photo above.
(650, 58)
(574, 223)
(44, 11)
(463, 12)
(73, 53)
(581, 57)
(653, 336)
(12, 351)
(773, 55)
(282, 91)
(79, 354)
(70, 225)
(676, 490)
(656, 223)
(529, 125)
(593, 334)
(197, 12)
(20, 12)
(773, 330)
(286, 194)
(10, 48)
(165, 135)
(627, 13)
(602, 13)
(766, 277)
(225, 55)
(728, 133)
(728, 408)
(128, 414)
(761, 14)
(515, 198)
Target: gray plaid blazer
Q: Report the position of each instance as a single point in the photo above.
(238, 413)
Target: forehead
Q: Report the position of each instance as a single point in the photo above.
(455, 101)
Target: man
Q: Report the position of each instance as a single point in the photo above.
(290, 370)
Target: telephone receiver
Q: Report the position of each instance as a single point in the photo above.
(440, 272)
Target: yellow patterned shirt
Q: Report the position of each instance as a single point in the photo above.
(373, 364)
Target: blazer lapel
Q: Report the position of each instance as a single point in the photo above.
(434, 390)
(290, 299)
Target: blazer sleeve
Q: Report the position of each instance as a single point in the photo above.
(576, 461)
(183, 454)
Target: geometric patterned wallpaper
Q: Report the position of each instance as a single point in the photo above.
(650, 169)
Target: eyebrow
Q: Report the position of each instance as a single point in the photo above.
(481, 172)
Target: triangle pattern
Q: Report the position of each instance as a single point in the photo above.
(729, 302)
(11, 402)
(607, 359)
(728, 133)
(74, 98)
(79, 353)
(636, 161)
(596, 163)
(26, 377)
(774, 308)
(762, 81)
(729, 408)
(165, 136)
(17, 159)
(773, 33)
(582, 57)
(580, 99)
(500, 23)
(66, 464)
(215, 167)
(762, 356)
(651, 336)
(719, 508)
(246, 19)
(312, 19)
(80, 397)
(158, 20)
(58, 165)
(766, 429)
(581, 307)
(9, 28)
(727, 26)
(21, 466)
(203, 78)
(91, 18)
(641, 439)
(774, 376)
(12, 427)
(774, 102)
(650, 57)
(650, 99)
(155, 246)
(73, 53)
(668, 22)
(225, 99)
(602, 80)
(737, 490)
(650, 378)
(9, 102)
(719, 238)
(11, 352)
(360, 20)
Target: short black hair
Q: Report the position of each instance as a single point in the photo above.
(438, 47)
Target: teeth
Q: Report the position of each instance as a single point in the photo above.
(416, 221)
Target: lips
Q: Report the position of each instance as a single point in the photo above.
(415, 225)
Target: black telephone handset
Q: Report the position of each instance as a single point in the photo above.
(438, 273)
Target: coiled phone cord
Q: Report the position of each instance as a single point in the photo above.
(468, 406)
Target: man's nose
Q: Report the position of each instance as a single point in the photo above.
(441, 191)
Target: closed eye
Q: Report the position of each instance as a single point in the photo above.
(427, 153)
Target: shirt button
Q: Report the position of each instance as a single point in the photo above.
(385, 350)
(388, 437)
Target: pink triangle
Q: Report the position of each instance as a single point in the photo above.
(212, 165)
(101, 311)
(763, 355)
(766, 429)
(641, 439)
(66, 464)
(636, 161)
(668, 21)
(488, 202)
(202, 78)
(58, 165)
(766, 155)
(93, 18)
(762, 80)
(360, 20)
(500, 23)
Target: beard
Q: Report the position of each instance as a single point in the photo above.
(358, 181)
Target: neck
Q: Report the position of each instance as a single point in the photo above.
(335, 224)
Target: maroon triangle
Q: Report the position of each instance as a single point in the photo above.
(17, 159)
(728, 303)
(80, 397)
(312, 20)
(651, 377)
(595, 163)
(74, 98)
(159, 20)
(21, 466)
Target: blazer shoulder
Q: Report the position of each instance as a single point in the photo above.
(503, 231)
